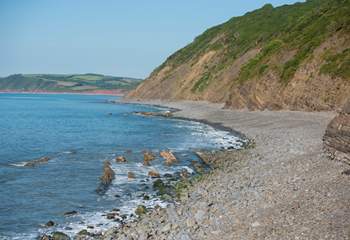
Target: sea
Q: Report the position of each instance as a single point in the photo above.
(78, 133)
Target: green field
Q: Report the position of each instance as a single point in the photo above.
(65, 82)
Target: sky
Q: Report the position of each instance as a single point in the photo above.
(114, 37)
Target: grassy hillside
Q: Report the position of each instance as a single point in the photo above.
(270, 51)
(63, 82)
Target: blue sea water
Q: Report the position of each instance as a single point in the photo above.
(78, 133)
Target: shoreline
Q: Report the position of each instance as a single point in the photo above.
(257, 201)
(174, 110)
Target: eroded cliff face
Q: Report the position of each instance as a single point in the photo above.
(337, 137)
(300, 63)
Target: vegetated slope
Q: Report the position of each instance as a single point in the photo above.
(289, 57)
(63, 82)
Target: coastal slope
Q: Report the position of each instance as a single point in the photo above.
(283, 188)
(293, 57)
(88, 82)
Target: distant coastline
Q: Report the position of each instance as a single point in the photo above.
(116, 92)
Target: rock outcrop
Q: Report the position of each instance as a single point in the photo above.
(106, 178)
(169, 157)
(337, 136)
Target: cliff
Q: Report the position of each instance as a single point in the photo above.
(290, 57)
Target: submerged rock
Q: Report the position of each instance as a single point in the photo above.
(106, 178)
(131, 175)
(120, 159)
(70, 213)
(147, 158)
(35, 162)
(159, 114)
(337, 137)
(169, 157)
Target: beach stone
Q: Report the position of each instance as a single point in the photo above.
(166, 228)
(45, 237)
(141, 210)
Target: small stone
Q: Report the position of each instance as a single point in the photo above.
(166, 228)
(255, 224)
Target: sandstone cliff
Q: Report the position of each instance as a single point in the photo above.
(291, 57)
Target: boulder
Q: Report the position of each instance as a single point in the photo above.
(106, 178)
(60, 236)
(108, 173)
(169, 157)
(153, 174)
(337, 136)
(140, 210)
(147, 158)
(120, 159)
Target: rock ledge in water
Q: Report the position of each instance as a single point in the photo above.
(35, 162)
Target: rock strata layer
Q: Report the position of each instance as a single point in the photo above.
(337, 137)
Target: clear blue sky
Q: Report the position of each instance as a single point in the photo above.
(123, 38)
